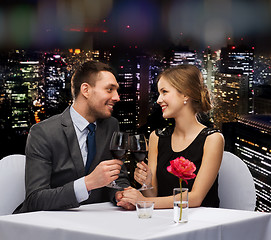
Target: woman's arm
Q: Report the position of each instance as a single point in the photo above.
(131, 195)
(211, 160)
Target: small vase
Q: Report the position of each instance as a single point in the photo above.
(180, 207)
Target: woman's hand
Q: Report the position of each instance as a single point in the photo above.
(130, 195)
(120, 203)
(143, 174)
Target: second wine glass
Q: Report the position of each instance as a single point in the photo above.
(139, 150)
(118, 148)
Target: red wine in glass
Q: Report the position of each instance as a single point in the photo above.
(139, 155)
(118, 147)
(118, 153)
(139, 149)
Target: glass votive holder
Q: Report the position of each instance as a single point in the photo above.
(144, 209)
(180, 205)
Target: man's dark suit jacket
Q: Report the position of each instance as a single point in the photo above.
(54, 161)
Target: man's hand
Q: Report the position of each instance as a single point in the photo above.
(103, 174)
(118, 195)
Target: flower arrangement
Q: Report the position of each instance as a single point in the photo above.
(184, 170)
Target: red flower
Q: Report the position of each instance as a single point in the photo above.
(182, 168)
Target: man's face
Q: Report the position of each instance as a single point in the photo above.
(103, 96)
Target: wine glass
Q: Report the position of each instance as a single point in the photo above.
(139, 149)
(118, 148)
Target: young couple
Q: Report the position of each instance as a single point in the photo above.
(57, 149)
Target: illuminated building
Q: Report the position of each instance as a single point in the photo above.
(21, 87)
(250, 139)
(262, 71)
(21, 73)
(155, 114)
(18, 97)
(209, 68)
(143, 90)
(76, 57)
(183, 58)
(132, 69)
(230, 92)
(262, 99)
(180, 56)
(55, 79)
(101, 55)
(239, 60)
(4, 99)
(128, 77)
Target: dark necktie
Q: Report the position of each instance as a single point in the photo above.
(91, 143)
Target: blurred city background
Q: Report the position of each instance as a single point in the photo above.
(43, 42)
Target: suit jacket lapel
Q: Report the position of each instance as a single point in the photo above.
(73, 144)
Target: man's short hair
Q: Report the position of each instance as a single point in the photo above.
(86, 73)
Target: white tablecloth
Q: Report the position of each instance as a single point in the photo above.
(105, 221)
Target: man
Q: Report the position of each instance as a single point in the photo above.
(57, 148)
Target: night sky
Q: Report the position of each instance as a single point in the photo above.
(150, 24)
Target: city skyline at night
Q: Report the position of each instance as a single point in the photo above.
(39, 81)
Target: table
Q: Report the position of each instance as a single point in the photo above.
(105, 221)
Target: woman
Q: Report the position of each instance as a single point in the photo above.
(182, 96)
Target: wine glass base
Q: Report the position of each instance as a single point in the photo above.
(114, 185)
(145, 187)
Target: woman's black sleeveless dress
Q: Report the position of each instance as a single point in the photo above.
(194, 153)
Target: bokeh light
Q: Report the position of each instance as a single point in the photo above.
(251, 18)
(185, 17)
(95, 11)
(74, 17)
(217, 25)
(209, 21)
(215, 33)
(194, 23)
(22, 25)
(136, 22)
(46, 17)
(2, 27)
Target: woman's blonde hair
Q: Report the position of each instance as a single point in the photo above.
(188, 80)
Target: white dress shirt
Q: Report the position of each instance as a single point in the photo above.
(80, 125)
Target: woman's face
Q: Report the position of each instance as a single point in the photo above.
(170, 100)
